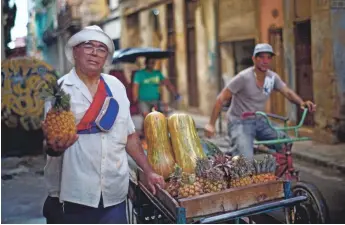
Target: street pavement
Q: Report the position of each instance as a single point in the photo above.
(331, 185)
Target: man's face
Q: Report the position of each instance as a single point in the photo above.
(90, 56)
(150, 64)
(263, 61)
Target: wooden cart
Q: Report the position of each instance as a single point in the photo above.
(227, 205)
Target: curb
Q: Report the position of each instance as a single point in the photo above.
(319, 162)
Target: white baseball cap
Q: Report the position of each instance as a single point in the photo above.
(263, 47)
(90, 33)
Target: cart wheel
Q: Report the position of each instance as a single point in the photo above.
(314, 209)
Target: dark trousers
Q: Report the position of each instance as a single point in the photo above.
(81, 214)
(52, 210)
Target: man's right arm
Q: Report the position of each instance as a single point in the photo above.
(234, 86)
(224, 96)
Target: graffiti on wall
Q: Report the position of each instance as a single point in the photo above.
(22, 82)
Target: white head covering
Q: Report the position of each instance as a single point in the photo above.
(90, 33)
(263, 47)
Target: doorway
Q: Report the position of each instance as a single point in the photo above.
(304, 73)
(235, 57)
(193, 92)
(172, 47)
(276, 40)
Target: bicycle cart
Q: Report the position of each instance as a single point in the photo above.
(314, 209)
(225, 206)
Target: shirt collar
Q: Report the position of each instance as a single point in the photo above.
(268, 72)
(72, 79)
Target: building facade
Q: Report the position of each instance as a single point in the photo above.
(213, 40)
(314, 62)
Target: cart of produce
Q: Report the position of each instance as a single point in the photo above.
(224, 206)
(203, 185)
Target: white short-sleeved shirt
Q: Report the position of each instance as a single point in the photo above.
(52, 175)
(96, 163)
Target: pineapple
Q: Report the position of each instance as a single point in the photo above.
(241, 172)
(201, 168)
(174, 182)
(220, 159)
(264, 170)
(212, 176)
(59, 121)
(183, 185)
(215, 181)
(189, 186)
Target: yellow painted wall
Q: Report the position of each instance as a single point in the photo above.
(181, 56)
(269, 18)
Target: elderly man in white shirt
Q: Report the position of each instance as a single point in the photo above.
(95, 173)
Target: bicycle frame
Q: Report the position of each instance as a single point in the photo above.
(284, 158)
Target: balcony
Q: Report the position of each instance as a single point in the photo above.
(70, 18)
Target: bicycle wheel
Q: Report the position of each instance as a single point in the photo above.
(314, 209)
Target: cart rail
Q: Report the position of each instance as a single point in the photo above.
(254, 210)
(180, 212)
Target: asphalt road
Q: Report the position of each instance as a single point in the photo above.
(332, 187)
(330, 183)
(22, 196)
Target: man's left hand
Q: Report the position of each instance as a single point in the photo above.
(153, 180)
(310, 105)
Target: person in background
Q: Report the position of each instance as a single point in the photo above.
(146, 87)
(249, 91)
(94, 171)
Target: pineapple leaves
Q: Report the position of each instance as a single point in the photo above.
(56, 94)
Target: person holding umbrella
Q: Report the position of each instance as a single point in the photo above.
(146, 86)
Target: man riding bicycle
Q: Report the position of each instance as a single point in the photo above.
(249, 92)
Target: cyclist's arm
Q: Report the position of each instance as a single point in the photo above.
(135, 92)
(291, 95)
(169, 85)
(234, 86)
(224, 96)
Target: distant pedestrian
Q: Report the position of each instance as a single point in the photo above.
(146, 87)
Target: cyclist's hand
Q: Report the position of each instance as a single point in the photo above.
(178, 97)
(310, 105)
(210, 130)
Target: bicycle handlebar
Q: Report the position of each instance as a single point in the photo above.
(300, 124)
(285, 128)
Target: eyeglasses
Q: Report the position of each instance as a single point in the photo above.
(100, 51)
